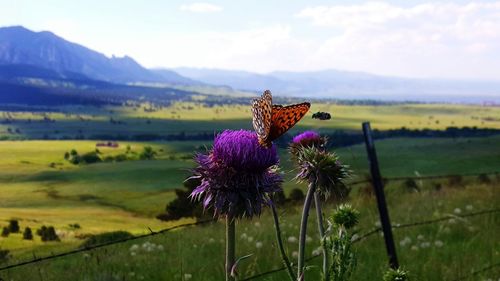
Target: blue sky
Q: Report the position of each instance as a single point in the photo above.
(442, 39)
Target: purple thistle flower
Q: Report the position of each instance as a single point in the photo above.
(306, 136)
(306, 139)
(237, 175)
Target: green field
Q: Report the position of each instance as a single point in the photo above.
(193, 118)
(39, 187)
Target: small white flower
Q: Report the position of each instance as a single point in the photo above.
(131, 273)
(195, 246)
(295, 254)
(420, 237)
(438, 243)
(316, 252)
(250, 239)
(471, 228)
(469, 207)
(86, 255)
(457, 211)
(257, 224)
(188, 276)
(446, 230)
(292, 239)
(133, 254)
(211, 240)
(414, 248)
(259, 245)
(308, 239)
(160, 248)
(377, 223)
(243, 236)
(402, 243)
(452, 221)
(134, 247)
(425, 245)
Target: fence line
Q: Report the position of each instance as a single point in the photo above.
(378, 229)
(426, 177)
(486, 268)
(89, 248)
(153, 233)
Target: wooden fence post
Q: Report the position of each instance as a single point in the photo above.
(379, 193)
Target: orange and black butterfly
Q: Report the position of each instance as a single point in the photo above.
(270, 121)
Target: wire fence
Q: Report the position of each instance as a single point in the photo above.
(426, 177)
(358, 239)
(406, 225)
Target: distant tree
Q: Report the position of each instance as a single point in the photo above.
(47, 233)
(90, 158)
(73, 152)
(127, 149)
(13, 226)
(66, 155)
(27, 234)
(5, 231)
(147, 153)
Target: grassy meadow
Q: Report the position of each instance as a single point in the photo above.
(38, 186)
(196, 117)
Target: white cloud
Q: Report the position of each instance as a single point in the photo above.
(431, 39)
(201, 8)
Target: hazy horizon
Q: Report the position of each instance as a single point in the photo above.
(440, 40)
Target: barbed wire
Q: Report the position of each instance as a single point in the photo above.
(378, 229)
(152, 233)
(474, 273)
(89, 248)
(426, 177)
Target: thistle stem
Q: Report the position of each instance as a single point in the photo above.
(284, 257)
(321, 230)
(230, 247)
(303, 227)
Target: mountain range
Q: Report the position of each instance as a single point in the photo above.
(25, 54)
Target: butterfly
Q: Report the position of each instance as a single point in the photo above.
(270, 121)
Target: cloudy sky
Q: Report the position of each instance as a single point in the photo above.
(441, 39)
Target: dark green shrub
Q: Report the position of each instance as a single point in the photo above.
(411, 185)
(13, 226)
(4, 255)
(90, 158)
(120, 158)
(5, 232)
(27, 234)
(484, 179)
(296, 195)
(455, 180)
(107, 237)
(47, 233)
(147, 153)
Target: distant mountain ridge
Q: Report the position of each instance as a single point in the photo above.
(349, 85)
(45, 50)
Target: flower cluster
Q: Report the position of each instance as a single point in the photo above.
(237, 176)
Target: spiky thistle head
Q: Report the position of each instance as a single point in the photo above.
(345, 215)
(396, 275)
(237, 175)
(324, 167)
(306, 139)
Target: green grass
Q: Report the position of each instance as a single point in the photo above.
(468, 244)
(127, 195)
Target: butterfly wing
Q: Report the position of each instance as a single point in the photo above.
(285, 117)
(261, 111)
